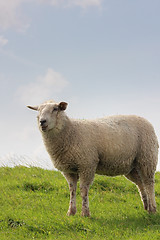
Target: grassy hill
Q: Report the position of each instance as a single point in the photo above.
(34, 202)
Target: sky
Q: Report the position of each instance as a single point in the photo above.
(100, 56)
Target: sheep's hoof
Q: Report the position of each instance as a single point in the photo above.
(145, 205)
(71, 212)
(86, 213)
(151, 209)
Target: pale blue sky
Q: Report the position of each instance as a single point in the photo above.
(102, 57)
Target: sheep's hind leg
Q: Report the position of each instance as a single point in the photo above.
(72, 182)
(149, 185)
(135, 177)
(147, 177)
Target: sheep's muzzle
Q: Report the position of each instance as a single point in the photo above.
(43, 125)
(44, 128)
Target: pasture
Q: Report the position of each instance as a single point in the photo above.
(34, 203)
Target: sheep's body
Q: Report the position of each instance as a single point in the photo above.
(117, 145)
(111, 145)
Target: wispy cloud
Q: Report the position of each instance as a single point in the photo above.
(87, 3)
(72, 3)
(3, 41)
(43, 88)
(11, 16)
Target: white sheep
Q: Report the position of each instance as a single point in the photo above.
(116, 145)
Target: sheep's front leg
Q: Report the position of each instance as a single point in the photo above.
(85, 201)
(72, 182)
(86, 179)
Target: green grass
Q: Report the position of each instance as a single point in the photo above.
(34, 202)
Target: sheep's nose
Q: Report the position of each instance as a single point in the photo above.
(42, 122)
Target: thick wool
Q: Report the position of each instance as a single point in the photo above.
(115, 145)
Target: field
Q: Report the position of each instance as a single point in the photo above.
(34, 202)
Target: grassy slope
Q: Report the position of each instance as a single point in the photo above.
(34, 202)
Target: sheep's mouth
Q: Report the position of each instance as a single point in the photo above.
(44, 128)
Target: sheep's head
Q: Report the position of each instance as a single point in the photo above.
(49, 112)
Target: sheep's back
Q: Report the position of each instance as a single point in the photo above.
(117, 141)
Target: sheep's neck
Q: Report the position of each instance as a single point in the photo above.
(58, 141)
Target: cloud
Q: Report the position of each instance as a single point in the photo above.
(86, 3)
(72, 3)
(43, 88)
(3, 41)
(11, 16)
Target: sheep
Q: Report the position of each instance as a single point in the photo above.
(114, 145)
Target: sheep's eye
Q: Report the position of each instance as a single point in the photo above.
(55, 109)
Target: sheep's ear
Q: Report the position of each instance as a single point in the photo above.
(62, 106)
(33, 108)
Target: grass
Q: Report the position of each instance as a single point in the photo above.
(34, 202)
